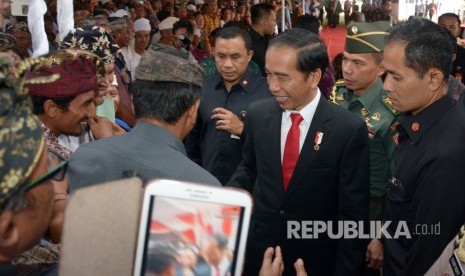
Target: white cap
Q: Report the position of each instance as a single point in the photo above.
(167, 23)
(142, 24)
(119, 13)
(199, 2)
(105, 1)
(191, 7)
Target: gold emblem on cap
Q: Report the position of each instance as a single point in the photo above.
(354, 29)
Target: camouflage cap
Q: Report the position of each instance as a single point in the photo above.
(21, 140)
(365, 37)
(157, 65)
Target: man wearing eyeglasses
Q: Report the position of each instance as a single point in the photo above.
(26, 190)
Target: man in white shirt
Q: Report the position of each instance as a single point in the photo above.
(304, 159)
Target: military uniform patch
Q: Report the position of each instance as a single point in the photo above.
(388, 104)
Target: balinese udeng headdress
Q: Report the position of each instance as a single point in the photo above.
(65, 73)
(21, 142)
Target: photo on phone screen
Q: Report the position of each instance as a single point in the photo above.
(192, 229)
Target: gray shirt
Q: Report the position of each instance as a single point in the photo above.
(148, 151)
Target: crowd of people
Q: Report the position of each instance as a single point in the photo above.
(218, 93)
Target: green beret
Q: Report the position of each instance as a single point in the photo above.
(365, 37)
(21, 140)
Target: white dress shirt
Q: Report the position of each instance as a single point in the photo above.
(307, 114)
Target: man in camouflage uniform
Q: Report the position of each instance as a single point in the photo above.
(362, 93)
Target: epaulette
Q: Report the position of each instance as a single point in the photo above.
(334, 97)
(387, 102)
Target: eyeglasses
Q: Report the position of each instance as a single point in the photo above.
(58, 173)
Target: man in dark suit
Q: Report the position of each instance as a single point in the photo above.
(313, 169)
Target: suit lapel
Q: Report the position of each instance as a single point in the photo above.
(308, 152)
(274, 138)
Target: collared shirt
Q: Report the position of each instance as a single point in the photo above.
(211, 22)
(374, 108)
(259, 46)
(148, 152)
(217, 151)
(53, 144)
(428, 187)
(307, 114)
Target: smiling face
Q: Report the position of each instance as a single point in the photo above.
(292, 89)
(80, 109)
(232, 59)
(407, 91)
(360, 71)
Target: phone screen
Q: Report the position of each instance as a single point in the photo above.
(200, 237)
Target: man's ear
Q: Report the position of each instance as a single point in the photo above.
(50, 108)
(381, 70)
(9, 234)
(250, 55)
(315, 77)
(194, 109)
(436, 78)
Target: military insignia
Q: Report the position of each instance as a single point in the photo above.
(394, 126)
(243, 114)
(364, 112)
(415, 127)
(367, 121)
(396, 139)
(354, 30)
(371, 133)
(388, 103)
(317, 140)
(376, 117)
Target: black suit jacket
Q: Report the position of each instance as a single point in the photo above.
(329, 184)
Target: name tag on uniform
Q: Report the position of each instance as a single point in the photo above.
(456, 266)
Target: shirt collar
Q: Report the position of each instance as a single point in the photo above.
(151, 131)
(308, 111)
(246, 81)
(416, 125)
(369, 97)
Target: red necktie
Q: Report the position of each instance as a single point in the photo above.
(291, 149)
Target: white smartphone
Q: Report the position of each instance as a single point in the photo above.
(19, 7)
(190, 227)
